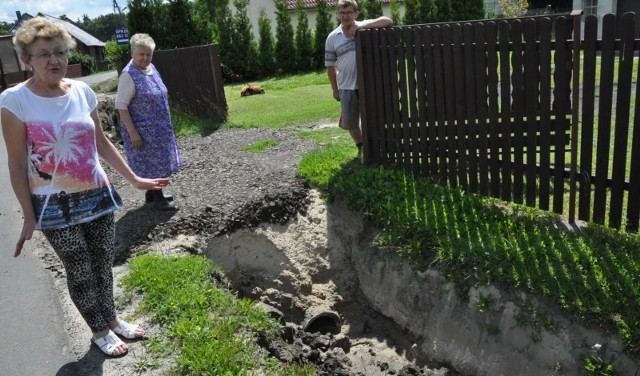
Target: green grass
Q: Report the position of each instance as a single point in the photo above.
(287, 102)
(260, 146)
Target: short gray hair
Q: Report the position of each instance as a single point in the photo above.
(142, 40)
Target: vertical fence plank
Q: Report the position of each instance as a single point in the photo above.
(438, 72)
(412, 98)
(531, 98)
(394, 62)
(367, 103)
(491, 32)
(421, 73)
(395, 97)
(388, 156)
(482, 107)
(545, 113)
(561, 107)
(588, 116)
(517, 94)
(431, 100)
(623, 102)
(633, 210)
(449, 104)
(460, 99)
(404, 138)
(380, 151)
(604, 120)
(471, 115)
(505, 107)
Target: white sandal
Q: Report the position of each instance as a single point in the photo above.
(109, 343)
(127, 330)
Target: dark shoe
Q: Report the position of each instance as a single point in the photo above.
(150, 196)
(164, 205)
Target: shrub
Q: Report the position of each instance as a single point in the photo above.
(117, 53)
(88, 65)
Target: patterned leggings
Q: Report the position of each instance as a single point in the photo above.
(87, 252)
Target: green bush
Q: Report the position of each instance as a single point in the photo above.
(88, 65)
(117, 53)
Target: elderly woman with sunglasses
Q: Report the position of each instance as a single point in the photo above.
(54, 144)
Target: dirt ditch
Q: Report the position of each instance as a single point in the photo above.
(321, 266)
(304, 275)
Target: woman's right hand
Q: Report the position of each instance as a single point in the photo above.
(28, 226)
(136, 140)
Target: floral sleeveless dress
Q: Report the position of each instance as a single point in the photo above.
(149, 110)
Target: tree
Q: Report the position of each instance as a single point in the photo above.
(181, 30)
(446, 10)
(267, 58)
(411, 16)
(103, 27)
(468, 10)
(304, 43)
(204, 13)
(245, 51)
(513, 9)
(140, 18)
(323, 28)
(5, 27)
(373, 8)
(210, 8)
(224, 28)
(285, 48)
(394, 6)
(429, 11)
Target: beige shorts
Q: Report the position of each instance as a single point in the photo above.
(350, 107)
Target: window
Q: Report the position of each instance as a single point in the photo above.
(590, 7)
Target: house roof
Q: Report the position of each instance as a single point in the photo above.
(310, 4)
(73, 29)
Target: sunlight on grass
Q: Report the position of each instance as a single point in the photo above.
(260, 146)
(287, 102)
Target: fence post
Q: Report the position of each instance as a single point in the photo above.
(576, 14)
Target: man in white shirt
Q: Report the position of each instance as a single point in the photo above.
(340, 60)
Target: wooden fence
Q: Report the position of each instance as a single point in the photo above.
(494, 107)
(194, 79)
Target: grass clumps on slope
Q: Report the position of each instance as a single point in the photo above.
(212, 331)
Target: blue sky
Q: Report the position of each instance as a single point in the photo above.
(74, 9)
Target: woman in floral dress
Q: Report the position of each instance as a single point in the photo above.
(145, 119)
